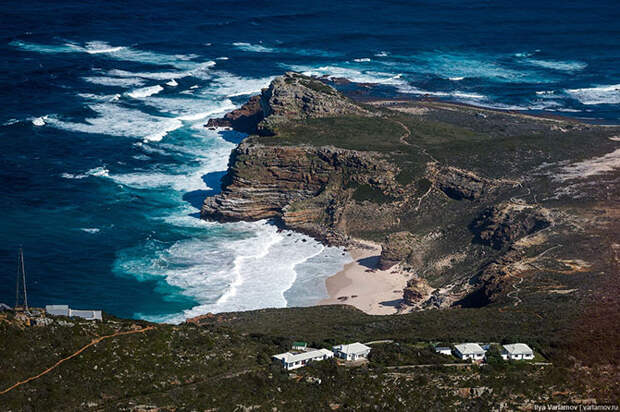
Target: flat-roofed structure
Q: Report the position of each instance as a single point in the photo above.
(65, 310)
(352, 351)
(292, 361)
(517, 351)
(471, 351)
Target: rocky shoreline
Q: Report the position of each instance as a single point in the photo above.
(453, 193)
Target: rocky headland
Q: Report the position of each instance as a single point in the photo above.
(475, 206)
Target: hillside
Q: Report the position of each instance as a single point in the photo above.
(223, 363)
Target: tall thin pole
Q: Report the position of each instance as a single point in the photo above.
(17, 281)
(21, 251)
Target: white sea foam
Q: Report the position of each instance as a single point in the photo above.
(10, 122)
(353, 74)
(230, 85)
(362, 60)
(100, 171)
(39, 121)
(114, 81)
(569, 66)
(609, 94)
(116, 120)
(145, 92)
(172, 83)
(91, 230)
(382, 54)
(234, 275)
(456, 79)
(255, 48)
(221, 58)
(184, 62)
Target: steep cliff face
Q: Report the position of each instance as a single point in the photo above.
(297, 184)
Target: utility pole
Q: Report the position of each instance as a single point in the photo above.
(21, 281)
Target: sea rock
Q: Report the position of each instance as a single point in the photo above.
(245, 119)
(501, 225)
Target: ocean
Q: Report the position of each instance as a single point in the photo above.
(105, 160)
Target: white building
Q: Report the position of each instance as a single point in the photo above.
(65, 310)
(299, 360)
(471, 351)
(353, 351)
(517, 351)
(444, 350)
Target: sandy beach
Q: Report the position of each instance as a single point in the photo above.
(361, 284)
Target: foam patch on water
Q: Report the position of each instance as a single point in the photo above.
(114, 81)
(145, 92)
(113, 119)
(254, 48)
(99, 48)
(241, 269)
(230, 85)
(568, 66)
(597, 95)
(353, 74)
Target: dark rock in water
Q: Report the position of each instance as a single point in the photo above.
(245, 119)
(501, 225)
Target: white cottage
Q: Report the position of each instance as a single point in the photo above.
(444, 350)
(353, 351)
(517, 351)
(292, 361)
(471, 351)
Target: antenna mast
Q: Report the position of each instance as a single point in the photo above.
(21, 278)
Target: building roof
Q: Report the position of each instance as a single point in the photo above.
(289, 357)
(469, 349)
(57, 310)
(352, 348)
(300, 343)
(65, 310)
(442, 348)
(518, 349)
(86, 314)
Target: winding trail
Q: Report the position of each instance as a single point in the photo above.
(517, 289)
(74, 354)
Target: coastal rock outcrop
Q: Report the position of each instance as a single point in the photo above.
(288, 97)
(501, 225)
(457, 183)
(245, 119)
(272, 181)
(399, 247)
(417, 291)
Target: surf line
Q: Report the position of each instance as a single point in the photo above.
(73, 355)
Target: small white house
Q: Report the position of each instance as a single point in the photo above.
(353, 351)
(292, 361)
(65, 310)
(444, 350)
(471, 351)
(517, 351)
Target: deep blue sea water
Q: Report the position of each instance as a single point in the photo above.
(105, 161)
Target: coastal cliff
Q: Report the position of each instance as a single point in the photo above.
(456, 195)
